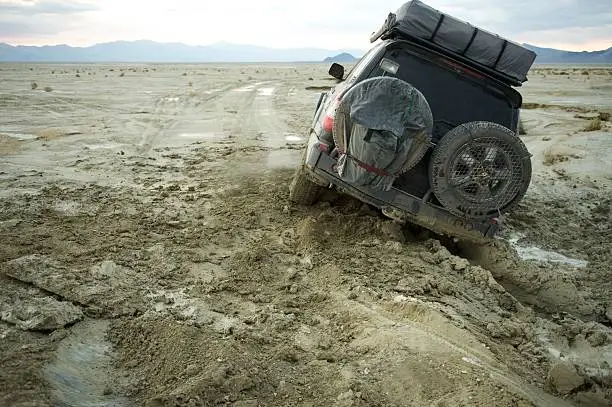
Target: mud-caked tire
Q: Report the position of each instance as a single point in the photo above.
(302, 190)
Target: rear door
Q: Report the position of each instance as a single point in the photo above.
(455, 94)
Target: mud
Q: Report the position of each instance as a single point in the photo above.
(81, 373)
(150, 256)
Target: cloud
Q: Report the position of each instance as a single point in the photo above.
(14, 28)
(281, 23)
(565, 24)
(594, 38)
(30, 8)
(530, 15)
(40, 19)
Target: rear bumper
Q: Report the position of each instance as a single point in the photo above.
(395, 202)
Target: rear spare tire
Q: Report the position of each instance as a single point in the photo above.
(382, 128)
(479, 169)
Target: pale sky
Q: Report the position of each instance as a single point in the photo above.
(331, 24)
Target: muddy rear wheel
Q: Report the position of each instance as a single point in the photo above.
(302, 190)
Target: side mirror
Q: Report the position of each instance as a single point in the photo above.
(337, 71)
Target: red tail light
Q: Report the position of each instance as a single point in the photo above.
(328, 123)
(329, 115)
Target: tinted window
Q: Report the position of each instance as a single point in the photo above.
(358, 70)
(363, 63)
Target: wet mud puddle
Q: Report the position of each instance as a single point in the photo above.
(82, 372)
(530, 252)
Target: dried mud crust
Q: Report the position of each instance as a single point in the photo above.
(283, 305)
(299, 319)
(306, 310)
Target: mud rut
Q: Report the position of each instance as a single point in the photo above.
(183, 276)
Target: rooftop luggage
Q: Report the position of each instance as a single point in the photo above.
(417, 22)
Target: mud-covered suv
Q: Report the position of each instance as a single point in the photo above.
(424, 127)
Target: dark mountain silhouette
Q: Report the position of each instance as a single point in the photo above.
(150, 51)
(343, 57)
(550, 55)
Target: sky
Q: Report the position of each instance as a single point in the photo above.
(331, 24)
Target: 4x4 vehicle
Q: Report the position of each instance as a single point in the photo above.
(424, 127)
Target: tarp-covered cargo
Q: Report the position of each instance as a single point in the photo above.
(418, 22)
(384, 129)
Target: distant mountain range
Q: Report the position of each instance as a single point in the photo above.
(150, 51)
(552, 56)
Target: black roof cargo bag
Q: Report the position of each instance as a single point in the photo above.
(415, 21)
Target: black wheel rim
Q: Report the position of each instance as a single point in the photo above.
(485, 171)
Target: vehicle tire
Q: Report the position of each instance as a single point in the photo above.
(342, 123)
(302, 190)
(479, 169)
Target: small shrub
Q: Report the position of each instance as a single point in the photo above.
(78, 76)
(521, 128)
(34, 85)
(593, 125)
(551, 158)
(48, 89)
(122, 74)
(531, 106)
(585, 72)
(604, 116)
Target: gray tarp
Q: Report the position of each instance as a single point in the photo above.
(418, 20)
(387, 130)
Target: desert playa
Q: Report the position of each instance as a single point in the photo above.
(149, 255)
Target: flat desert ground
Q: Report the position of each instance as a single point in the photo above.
(149, 255)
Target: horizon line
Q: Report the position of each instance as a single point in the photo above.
(180, 43)
(244, 44)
